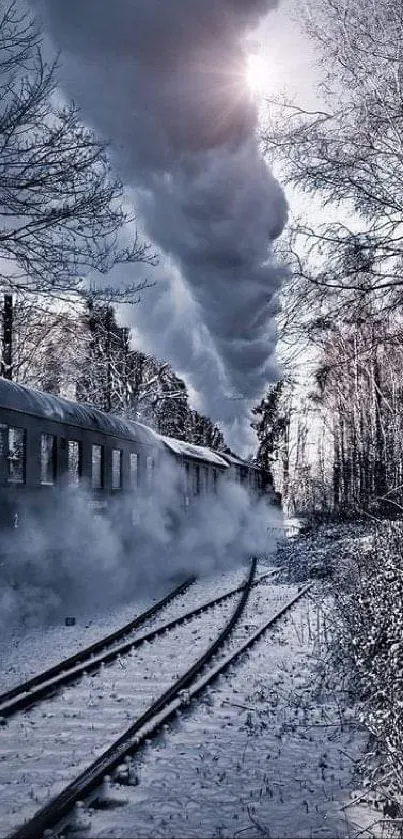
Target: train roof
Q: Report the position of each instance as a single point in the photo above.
(180, 447)
(26, 400)
(233, 460)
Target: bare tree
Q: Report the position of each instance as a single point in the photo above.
(349, 153)
(62, 213)
(48, 343)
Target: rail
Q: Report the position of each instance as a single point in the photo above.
(91, 778)
(44, 684)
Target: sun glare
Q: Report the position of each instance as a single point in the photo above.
(255, 73)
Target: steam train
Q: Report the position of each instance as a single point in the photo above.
(48, 442)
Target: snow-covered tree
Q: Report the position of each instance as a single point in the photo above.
(46, 346)
(348, 154)
(202, 431)
(115, 377)
(61, 210)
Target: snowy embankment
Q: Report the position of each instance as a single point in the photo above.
(361, 568)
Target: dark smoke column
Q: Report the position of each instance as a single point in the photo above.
(164, 80)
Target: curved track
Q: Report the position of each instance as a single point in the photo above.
(190, 684)
(85, 655)
(95, 656)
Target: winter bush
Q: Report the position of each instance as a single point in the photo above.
(367, 638)
(361, 661)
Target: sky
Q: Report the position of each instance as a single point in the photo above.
(165, 81)
(287, 57)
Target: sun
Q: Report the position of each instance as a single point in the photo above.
(256, 72)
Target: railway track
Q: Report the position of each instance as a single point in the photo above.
(105, 651)
(22, 692)
(149, 715)
(40, 746)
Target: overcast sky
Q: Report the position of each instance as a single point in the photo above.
(288, 54)
(164, 80)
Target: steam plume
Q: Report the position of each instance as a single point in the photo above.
(164, 80)
(49, 569)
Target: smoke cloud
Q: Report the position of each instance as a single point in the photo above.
(164, 80)
(49, 569)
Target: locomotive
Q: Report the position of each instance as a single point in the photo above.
(48, 442)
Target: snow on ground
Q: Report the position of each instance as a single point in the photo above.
(265, 753)
(262, 755)
(26, 651)
(320, 550)
(48, 745)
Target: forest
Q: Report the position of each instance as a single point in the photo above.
(332, 427)
(81, 352)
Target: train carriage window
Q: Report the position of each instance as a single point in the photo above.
(3, 440)
(48, 459)
(134, 470)
(16, 455)
(116, 468)
(196, 474)
(97, 456)
(215, 480)
(150, 470)
(3, 452)
(187, 478)
(187, 484)
(74, 462)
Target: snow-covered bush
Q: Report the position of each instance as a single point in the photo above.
(360, 659)
(367, 642)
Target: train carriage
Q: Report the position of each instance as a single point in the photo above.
(48, 442)
(201, 467)
(250, 477)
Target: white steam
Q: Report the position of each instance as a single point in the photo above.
(69, 560)
(166, 82)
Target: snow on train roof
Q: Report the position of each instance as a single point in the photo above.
(27, 400)
(233, 459)
(237, 461)
(180, 447)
